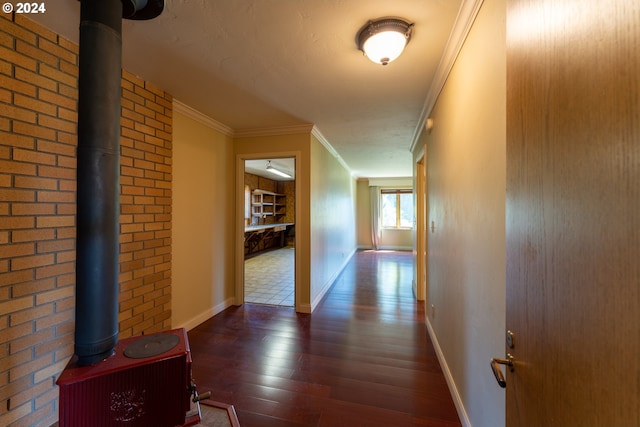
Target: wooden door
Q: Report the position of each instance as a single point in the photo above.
(573, 212)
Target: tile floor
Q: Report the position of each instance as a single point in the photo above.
(269, 278)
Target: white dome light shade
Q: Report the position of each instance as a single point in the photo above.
(384, 39)
(384, 47)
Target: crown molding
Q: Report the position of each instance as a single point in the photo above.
(269, 131)
(464, 21)
(196, 115)
(320, 137)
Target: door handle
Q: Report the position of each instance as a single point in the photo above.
(497, 372)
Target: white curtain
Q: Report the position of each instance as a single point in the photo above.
(375, 216)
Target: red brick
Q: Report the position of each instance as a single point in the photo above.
(54, 295)
(32, 209)
(137, 81)
(57, 124)
(34, 104)
(55, 221)
(54, 270)
(17, 113)
(68, 115)
(16, 31)
(132, 115)
(32, 235)
(135, 98)
(30, 340)
(30, 76)
(35, 183)
(31, 262)
(55, 245)
(58, 51)
(33, 130)
(33, 287)
(16, 250)
(13, 140)
(56, 172)
(53, 320)
(69, 45)
(69, 256)
(30, 314)
(68, 91)
(59, 76)
(17, 195)
(133, 153)
(130, 133)
(68, 163)
(56, 197)
(5, 95)
(23, 61)
(57, 99)
(56, 148)
(33, 27)
(65, 233)
(154, 123)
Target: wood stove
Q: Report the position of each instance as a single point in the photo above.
(147, 382)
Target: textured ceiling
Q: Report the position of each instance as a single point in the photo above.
(279, 64)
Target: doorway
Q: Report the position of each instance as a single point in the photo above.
(421, 245)
(269, 191)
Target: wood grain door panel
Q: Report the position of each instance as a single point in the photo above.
(573, 212)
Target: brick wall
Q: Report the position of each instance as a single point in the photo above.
(145, 203)
(38, 98)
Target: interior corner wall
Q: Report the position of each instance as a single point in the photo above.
(332, 219)
(466, 181)
(203, 209)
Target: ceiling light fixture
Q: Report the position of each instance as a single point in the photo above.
(276, 171)
(384, 39)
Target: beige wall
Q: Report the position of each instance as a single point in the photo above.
(333, 207)
(203, 208)
(466, 201)
(363, 214)
(400, 240)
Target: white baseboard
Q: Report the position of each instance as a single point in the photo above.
(328, 284)
(396, 248)
(205, 315)
(457, 400)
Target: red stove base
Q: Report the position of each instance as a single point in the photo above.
(122, 391)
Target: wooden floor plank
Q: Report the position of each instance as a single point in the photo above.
(363, 358)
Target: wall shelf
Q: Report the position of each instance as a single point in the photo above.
(267, 203)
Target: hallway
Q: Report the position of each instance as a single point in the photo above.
(363, 358)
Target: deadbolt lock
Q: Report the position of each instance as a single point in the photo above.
(510, 339)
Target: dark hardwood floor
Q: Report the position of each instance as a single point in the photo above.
(362, 358)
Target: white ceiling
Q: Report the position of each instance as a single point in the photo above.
(275, 65)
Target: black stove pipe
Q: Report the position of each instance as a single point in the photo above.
(98, 178)
(98, 172)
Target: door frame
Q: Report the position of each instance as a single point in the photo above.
(420, 280)
(239, 221)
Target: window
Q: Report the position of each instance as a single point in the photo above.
(396, 208)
